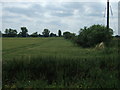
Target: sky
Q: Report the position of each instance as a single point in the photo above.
(64, 16)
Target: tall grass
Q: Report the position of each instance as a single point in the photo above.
(96, 72)
(60, 71)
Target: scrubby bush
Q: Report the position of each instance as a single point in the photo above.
(93, 35)
(68, 35)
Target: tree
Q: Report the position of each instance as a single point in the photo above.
(93, 35)
(34, 34)
(15, 32)
(20, 34)
(52, 35)
(40, 35)
(59, 33)
(10, 32)
(24, 31)
(68, 35)
(46, 33)
(6, 31)
(0, 34)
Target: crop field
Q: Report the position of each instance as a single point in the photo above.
(58, 63)
(17, 47)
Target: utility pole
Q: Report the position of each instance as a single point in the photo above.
(107, 14)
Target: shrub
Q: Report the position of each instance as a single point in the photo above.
(68, 35)
(93, 35)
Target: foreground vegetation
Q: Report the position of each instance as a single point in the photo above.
(90, 36)
(57, 63)
(28, 47)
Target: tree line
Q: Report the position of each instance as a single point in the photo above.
(87, 37)
(91, 36)
(24, 33)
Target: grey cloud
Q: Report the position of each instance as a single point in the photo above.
(9, 17)
(96, 8)
(18, 10)
(56, 12)
(29, 12)
(36, 10)
(62, 14)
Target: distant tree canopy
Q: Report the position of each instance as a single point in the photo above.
(46, 33)
(117, 36)
(20, 34)
(10, 32)
(52, 35)
(59, 33)
(93, 35)
(68, 35)
(88, 36)
(24, 32)
(35, 34)
(0, 34)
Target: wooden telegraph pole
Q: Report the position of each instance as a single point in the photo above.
(107, 14)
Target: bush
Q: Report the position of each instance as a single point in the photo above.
(93, 35)
(68, 35)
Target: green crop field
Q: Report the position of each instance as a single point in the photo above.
(58, 63)
(17, 47)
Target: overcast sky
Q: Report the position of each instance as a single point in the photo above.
(66, 16)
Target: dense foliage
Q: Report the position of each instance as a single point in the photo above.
(24, 33)
(11, 32)
(46, 33)
(52, 35)
(35, 34)
(0, 34)
(68, 35)
(59, 33)
(93, 35)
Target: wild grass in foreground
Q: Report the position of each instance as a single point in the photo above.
(37, 72)
(96, 71)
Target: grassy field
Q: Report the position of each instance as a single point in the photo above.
(58, 63)
(17, 47)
